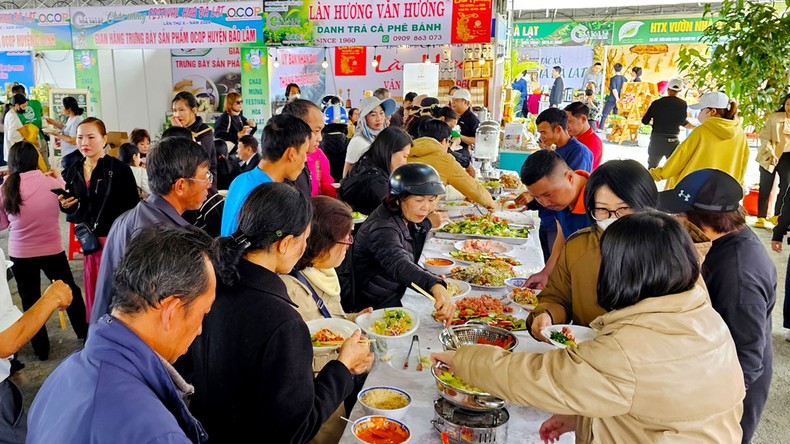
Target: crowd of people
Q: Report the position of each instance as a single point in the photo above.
(178, 276)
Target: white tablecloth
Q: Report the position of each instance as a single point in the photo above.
(524, 421)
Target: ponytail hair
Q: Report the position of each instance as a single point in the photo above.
(22, 157)
(70, 103)
(728, 113)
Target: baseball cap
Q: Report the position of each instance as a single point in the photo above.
(706, 190)
(675, 85)
(462, 94)
(370, 103)
(716, 100)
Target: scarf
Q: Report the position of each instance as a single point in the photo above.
(370, 134)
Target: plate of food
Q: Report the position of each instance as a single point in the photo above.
(515, 218)
(329, 334)
(487, 276)
(389, 322)
(457, 288)
(524, 297)
(358, 217)
(568, 335)
(487, 227)
(473, 258)
(488, 310)
(510, 182)
(483, 246)
(456, 208)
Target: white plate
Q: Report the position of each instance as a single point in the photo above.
(464, 286)
(515, 217)
(397, 357)
(527, 307)
(581, 333)
(340, 326)
(500, 245)
(365, 321)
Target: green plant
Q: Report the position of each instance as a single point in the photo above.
(748, 57)
(646, 129)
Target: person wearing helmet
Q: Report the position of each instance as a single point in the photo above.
(335, 142)
(391, 240)
(374, 112)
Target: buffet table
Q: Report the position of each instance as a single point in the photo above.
(524, 422)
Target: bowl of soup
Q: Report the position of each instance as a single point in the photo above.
(380, 430)
(438, 265)
(385, 401)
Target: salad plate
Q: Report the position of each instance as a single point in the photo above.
(568, 335)
(389, 323)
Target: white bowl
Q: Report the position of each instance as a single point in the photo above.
(365, 321)
(463, 286)
(389, 413)
(439, 269)
(516, 282)
(581, 333)
(364, 422)
(340, 326)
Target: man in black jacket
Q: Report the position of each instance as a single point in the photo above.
(740, 277)
(667, 114)
(557, 90)
(248, 153)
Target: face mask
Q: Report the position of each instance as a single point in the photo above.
(604, 224)
(294, 96)
(21, 111)
(589, 92)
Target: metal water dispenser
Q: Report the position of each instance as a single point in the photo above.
(487, 147)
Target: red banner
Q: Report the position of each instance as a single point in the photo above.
(471, 21)
(350, 61)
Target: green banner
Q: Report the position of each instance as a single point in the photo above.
(255, 85)
(287, 23)
(588, 33)
(86, 69)
(670, 30)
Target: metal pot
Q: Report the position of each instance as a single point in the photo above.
(470, 333)
(476, 401)
(467, 427)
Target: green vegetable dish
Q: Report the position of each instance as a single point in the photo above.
(484, 226)
(456, 383)
(356, 215)
(395, 322)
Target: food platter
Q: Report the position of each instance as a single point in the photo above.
(485, 276)
(463, 287)
(483, 227)
(516, 218)
(484, 245)
(372, 322)
(488, 310)
(580, 332)
(338, 326)
(461, 237)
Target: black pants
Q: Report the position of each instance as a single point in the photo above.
(27, 272)
(661, 145)
(767, 183)
(13, 418)
(547, 238)
(608, 107)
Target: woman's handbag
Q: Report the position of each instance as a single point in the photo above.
(84, 233)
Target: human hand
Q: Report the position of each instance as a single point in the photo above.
(554, 427)
(67, 203)
(470, 170)
(776, 246)
(444, 306)
(355, 354)
(353, 316)
(537, 281)
(438, 218)
(59, 294)
(524, 199)
(445, 358)
(251, 123)
(175, 121)
(539, 323)
(50, 121)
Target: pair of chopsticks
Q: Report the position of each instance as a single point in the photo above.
(423, 292)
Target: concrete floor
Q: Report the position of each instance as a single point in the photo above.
(774, 426)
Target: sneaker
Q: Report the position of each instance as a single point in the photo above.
(787, 336)
(760, 223)
(774, 219)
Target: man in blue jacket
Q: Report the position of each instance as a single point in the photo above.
(121, 387)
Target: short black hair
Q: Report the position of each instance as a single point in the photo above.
(618, 67)
(409, 97)
(291, 86)
(719, 222)
(416, 124)
(187, 97)
(249, 141)
(299, 108)
(597, 64)
(554, 116)
(446, 112)
(18, 99)
(178, 132)
(541, 164)
(578, 109)
(381, 93)
(557, 68)
(283, 132)
(171, 159)
(126, 153)
(435, 129)
(18, 89)
(643, 255)
(149, 273)
(628, 179)
(637, 70)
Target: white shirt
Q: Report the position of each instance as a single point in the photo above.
(9, 314)
(12, 125)
(141, 178)
(357, 148)
(70, 129)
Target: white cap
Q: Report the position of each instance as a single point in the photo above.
(462, 94)
(715, 100)
(675, 85)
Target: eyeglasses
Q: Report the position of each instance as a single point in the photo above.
(600, 214)
(349, 241)
(208, 180)
(239, 102)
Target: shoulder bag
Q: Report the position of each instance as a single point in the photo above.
(85, 233)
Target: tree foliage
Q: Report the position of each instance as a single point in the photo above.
(749, 58)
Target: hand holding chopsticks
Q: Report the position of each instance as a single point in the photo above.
(445, 309)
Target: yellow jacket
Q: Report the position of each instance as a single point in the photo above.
(429, 151)
(662, 370)
(718, 143)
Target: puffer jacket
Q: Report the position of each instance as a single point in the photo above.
(662, 370)
(385, 256)
(364, 187)
(429, 151)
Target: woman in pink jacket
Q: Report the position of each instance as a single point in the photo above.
(30, 211)
(322, 180)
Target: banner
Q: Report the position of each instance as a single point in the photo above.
(25, 29)
(86, 70)
(350, 60)
(286, 23)
(471, 21)
(674, 30)
(255, 85)
(208, 25)
(206, 72)
(302, 66)
(575, 61)
(16, 67)
(588, 33)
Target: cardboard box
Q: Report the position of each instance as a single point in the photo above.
(114, 140)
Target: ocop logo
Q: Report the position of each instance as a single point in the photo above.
(242, 13)
(53, 19)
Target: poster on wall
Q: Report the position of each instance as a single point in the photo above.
(16, 67)
(574, 62)
(26, 29)
(56, 96)
(208, 73)
(86, 76)
(207, 25)
(471, 21)
(658, 62)
(674, 30)
(586, 33)
(302, 66)
(286, 23)
(255, 85)
(350, 61)
(421, 77)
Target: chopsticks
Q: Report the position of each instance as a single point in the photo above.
(62, 320)
(423, 292)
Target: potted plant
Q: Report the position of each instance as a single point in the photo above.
(643, 138)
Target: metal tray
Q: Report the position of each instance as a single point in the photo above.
(453, 236)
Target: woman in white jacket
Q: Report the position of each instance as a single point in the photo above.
(12, 123)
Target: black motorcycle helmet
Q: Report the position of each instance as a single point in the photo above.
(416, 179)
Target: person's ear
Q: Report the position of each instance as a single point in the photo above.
(284, 244)
(168, 310)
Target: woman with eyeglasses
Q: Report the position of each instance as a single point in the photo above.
(232, 125)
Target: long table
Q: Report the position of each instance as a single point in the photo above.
(524, 422)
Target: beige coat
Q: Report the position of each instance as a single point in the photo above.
(427, 150)
(662, 370)
(774, 140)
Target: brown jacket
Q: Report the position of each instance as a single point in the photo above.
(427, 150)
(663, 370)
(774, 140)
(571, 291)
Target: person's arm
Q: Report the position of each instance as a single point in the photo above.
(12, 339)
(392, 256)
(223, 128)
(648, 115)
(554, 301)
(539, 279)
(613, 89)
(4, 222)
(466, 185)
(679, 159)
(325, 181)
(469, 140)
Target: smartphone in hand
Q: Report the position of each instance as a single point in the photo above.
(62, 192)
